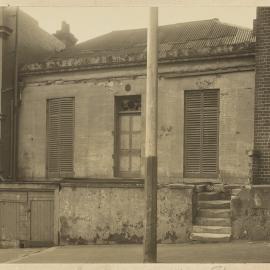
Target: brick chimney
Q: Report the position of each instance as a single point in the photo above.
(254, 28)
(261, 171)
(65, 36)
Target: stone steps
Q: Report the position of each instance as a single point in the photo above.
(213, 217)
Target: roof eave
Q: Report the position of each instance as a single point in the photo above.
(141, 63)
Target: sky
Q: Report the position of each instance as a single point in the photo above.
(88, 22)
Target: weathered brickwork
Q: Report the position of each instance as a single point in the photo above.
(262, 97)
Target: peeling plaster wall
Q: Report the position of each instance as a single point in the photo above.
(94, 126)
(235, 123)
(94, 93)
(115, 215)
(251, 213)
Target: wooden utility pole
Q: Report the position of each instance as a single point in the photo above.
(1, 86)
(150, 186)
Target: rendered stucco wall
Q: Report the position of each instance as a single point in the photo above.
(235, 123)
(94, 93)
(115, 215)
(251, 213)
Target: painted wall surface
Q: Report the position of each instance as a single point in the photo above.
(235, 123)
(94, 93)
(115, 215)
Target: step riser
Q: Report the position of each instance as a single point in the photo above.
(213, 205)
(208, 196)
(213, 222)
(200, 229)
(211, 213)
(208, 239)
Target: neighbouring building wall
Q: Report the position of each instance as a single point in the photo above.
(262, 97)
(115, 215)
(95, 94)
(30, 43)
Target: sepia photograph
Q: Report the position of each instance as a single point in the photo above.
(134, 134)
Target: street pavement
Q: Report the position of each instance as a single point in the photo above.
(233, 252)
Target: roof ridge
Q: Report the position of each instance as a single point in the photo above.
(210, 33)
(237, 26)
(171, 24)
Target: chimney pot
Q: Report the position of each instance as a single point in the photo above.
(65, 36)
(65, 27)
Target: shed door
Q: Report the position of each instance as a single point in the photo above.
(13, 219)
(9, 220)
(42, 217)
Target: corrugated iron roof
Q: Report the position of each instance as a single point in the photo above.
(208, 38)
(188, 35)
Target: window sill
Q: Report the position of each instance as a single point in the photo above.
(102, 182)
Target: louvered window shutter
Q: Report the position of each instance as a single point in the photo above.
(201, 133)
(60, 133)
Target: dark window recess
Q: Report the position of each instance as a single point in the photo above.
(60, 136)
(201, 133)
(128, 136)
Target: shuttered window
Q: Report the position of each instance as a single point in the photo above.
(201, 133)
(60, 133)
(128, 140)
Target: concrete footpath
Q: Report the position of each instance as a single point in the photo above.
(233, 252)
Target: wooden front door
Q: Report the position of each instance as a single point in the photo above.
(129, 145)
(128, 150)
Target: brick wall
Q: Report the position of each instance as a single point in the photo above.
(262, 97)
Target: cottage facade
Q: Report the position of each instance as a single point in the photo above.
(81, 139)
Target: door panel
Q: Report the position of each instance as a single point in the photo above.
(123, 163)
(42, 220)
(9, 220)
(124, 141)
